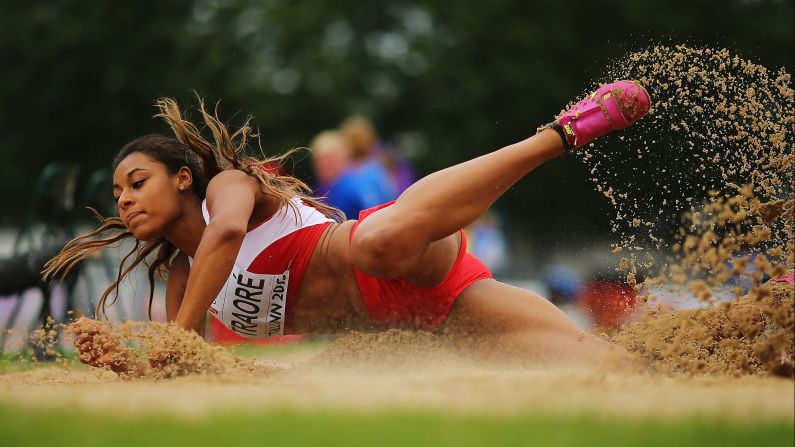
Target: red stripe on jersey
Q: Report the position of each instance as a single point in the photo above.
(293, 250)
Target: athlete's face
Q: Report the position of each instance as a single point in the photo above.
(147, 195)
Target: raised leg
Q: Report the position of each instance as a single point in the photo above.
(497, 322)
(413, 238)
(394, 240)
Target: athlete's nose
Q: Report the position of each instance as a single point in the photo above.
(124, 201)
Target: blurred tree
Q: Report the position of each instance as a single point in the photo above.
(446, 80)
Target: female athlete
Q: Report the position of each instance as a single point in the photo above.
(249, 245)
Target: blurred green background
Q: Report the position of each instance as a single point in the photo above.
(442, 80)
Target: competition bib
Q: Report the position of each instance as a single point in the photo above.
(253, 305)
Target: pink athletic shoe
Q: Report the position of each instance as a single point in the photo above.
(789, 278)
(612, 107)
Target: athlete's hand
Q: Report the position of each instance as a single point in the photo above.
(97, 346)
(162, 358)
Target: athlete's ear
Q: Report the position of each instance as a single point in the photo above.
(184, 179)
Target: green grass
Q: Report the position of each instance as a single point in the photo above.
(310, 346)
(28, 427)
(10, 363)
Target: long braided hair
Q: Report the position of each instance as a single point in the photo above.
(204, 159)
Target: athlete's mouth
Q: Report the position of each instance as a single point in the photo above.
(132, 216)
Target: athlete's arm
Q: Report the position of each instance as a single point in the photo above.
(178, 273)
(231, 196)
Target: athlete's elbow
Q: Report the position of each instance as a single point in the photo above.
(225, 232)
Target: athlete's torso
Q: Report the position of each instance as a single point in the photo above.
(292, 274)
(329, 300)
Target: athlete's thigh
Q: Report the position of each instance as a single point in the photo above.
(435, 262)
(489, 306)
(421, 262)
(501, 322)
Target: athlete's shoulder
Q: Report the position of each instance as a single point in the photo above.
(231, 176)
(233, 182)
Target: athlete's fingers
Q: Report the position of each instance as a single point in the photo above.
(84, 343)
(84, 347)
(81, 323)
(87, 325)
(88, 330)
(82, 338)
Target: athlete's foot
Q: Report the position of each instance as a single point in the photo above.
(612, 107)
(788, 278)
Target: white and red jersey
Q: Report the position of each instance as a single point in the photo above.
(268, 271)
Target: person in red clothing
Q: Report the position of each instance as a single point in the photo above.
(266, 259)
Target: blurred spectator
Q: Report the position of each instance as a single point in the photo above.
(563, 283)
(563, 287)
(330, 159)
(344, 187)
(487, 242)
(375, 159)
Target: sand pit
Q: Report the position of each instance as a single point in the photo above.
(400, 370)
(750, 335)
(465, 390)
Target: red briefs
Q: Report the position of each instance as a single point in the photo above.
(399, 304)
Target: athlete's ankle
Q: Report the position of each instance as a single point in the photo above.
(555, 126)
